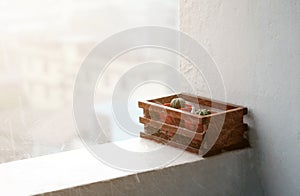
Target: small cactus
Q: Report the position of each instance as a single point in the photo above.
(203, 112)
(178, 103)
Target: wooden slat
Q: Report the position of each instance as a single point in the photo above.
(210, 102)
(214, 151)
(171, 129)
(146, 105)
(229, 139)
(200, 100)
(163, 100)
(197, 119)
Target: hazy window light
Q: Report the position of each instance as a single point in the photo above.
(42, 44)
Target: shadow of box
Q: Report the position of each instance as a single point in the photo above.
(222, 130)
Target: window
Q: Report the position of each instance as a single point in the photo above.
(42, 44)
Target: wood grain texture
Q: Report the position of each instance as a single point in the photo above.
(187, 131)
(171, 129)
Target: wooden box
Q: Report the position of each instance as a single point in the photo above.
(183, 129)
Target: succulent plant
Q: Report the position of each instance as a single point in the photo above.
(203, 112)
(178, 103)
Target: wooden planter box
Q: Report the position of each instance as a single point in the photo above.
(183, 129)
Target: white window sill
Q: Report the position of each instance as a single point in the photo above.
(68, 169)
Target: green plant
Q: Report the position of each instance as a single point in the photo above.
(178, 103)
(203, 112)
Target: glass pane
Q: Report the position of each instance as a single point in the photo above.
(42, 44)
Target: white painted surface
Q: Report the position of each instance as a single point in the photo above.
(203, 177)
(77, 172)
(256, 47)
(69, 169)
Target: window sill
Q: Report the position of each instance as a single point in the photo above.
(68, 169)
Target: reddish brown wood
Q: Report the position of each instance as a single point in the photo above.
(162, 100)
(186, 130)
(176, 113)
(208, 102)
(226, 138)
(216, 149)
(171, 129)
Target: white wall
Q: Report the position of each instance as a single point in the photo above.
(256, 46)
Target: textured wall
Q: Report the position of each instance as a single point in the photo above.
(256, 47)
